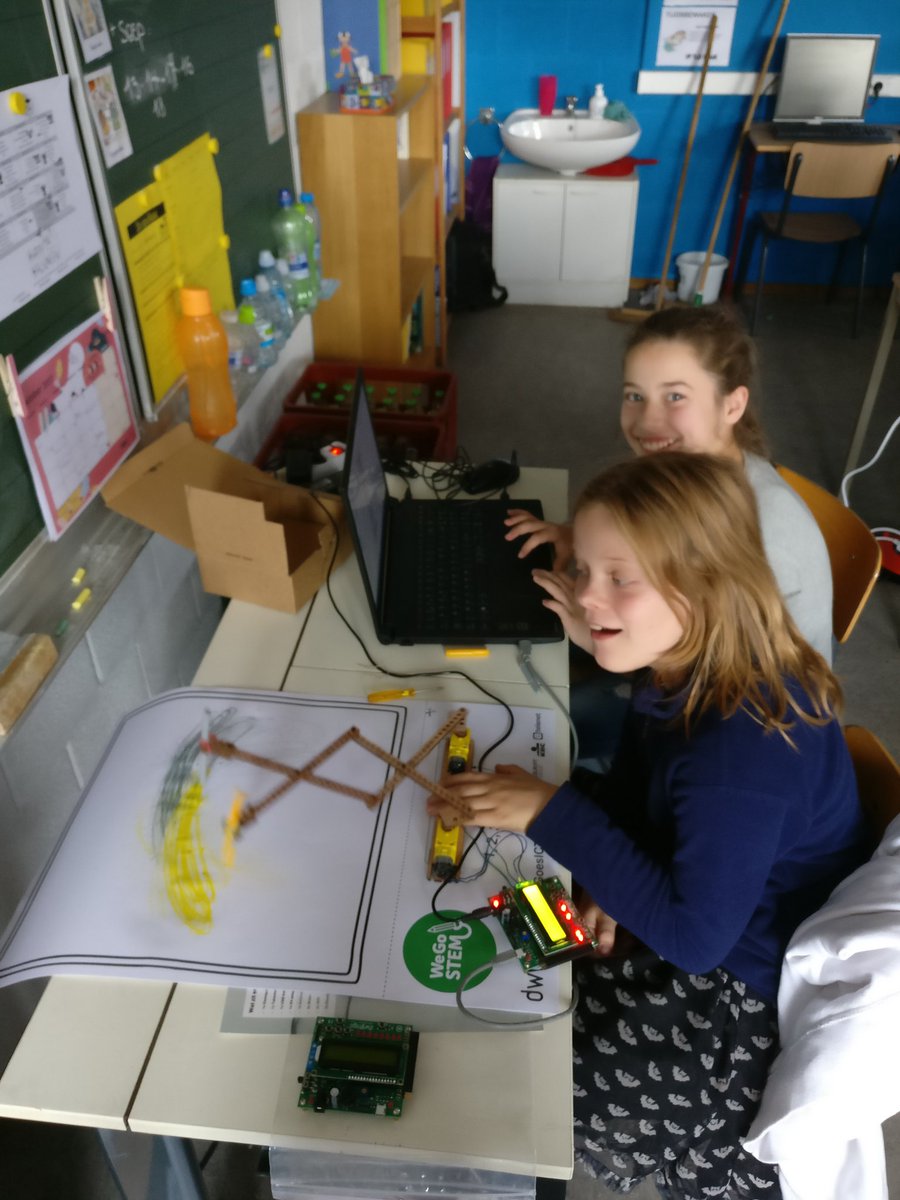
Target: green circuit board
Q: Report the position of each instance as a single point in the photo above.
(358, 1066)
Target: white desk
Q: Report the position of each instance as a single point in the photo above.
(149, 1057)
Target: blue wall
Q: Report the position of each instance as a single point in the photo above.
(583, 42)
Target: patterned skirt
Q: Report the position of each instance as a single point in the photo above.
(669, 1070)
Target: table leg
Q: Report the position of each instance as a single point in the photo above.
(888, 329)
(740, 216)
(146, 1167)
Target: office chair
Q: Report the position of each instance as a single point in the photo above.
(877, 778)
(853, 551)
(828, 171)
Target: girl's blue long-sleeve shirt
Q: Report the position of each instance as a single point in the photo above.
(711, 848)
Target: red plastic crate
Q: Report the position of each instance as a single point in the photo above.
(399, 437)
(396, 394)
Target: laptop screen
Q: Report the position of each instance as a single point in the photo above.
(365, 490)
(825, 76)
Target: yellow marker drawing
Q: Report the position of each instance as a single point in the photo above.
(232, 824)
(189, 885)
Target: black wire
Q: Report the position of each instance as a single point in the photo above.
(410, 674)
(450, 878)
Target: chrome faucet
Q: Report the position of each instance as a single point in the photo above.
(571, 102)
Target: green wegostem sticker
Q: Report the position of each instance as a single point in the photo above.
(440, 952)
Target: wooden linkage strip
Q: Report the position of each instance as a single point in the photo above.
(307, 772)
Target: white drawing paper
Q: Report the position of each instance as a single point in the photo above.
(47, 224)
(319, 893)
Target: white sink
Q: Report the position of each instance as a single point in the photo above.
(567, 143)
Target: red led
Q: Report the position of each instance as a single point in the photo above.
(579, 936)
(563, 906)
(495, 901)
(337, 451)
(568, 916)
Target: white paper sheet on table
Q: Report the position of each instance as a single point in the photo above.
(322, 892)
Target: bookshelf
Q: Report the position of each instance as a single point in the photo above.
(373, 179)
(449, 115)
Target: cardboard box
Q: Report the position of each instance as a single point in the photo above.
(256, 539)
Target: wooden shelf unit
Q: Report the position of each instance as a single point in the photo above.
(429, 26)
(378, 221)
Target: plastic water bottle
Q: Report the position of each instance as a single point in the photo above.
(203, 344)
(311, 213)
(285, 276)
(292, 243)
(250, 314)
(267, 305)
(279, 289)
(243, 346)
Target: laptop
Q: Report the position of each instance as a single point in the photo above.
(439, 571)
(824, 86)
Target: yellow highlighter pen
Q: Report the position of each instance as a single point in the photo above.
(396, 694)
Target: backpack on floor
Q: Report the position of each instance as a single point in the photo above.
(471, 282)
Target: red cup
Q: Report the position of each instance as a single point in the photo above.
(546, 94)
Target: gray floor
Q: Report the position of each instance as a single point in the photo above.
(545, 382)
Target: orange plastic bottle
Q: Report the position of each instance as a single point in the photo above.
(203, 344)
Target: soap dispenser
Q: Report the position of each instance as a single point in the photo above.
(597, 102)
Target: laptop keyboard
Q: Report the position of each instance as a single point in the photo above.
(832, 131)
(451, 591)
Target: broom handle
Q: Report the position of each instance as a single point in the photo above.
(748, 120)
(684, 166)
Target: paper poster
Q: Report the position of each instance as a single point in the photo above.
(192, 195)
(149, 251)
(75, 420)
(47, 223)
(683, 33)
(108, 117)
(319, 893)
(90, 25)
(270, 88)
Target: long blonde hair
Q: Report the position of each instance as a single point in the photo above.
(692, 522)
(723, 348)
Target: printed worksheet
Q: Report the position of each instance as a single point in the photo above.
(47, 224)
(231, 837)
(75, 419)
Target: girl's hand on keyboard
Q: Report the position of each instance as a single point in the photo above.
(508, 799)
(561, 590)
(520, 523)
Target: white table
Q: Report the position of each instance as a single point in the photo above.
(149, 1057)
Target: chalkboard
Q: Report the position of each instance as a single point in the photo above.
(182, 68)
(187, 68)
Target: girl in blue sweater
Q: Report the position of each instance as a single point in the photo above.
(729, 813)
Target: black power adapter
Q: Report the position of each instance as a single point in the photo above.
(490, 476)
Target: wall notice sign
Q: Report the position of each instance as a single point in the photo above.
(684, 29)
(47, 225)
(75, 420)
(108, 117)
(90, 23)
(270, 89)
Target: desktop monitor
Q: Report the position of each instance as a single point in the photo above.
(825, 76)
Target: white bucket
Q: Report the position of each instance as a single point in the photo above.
(689, 266)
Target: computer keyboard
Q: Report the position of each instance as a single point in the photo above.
(831, 131)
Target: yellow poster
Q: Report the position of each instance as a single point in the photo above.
(193, 198)
(145, 233)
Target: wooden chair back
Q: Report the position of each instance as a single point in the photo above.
(877, 778)
(853, 551)
(840, 171)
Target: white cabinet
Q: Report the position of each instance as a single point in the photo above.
(563, 240)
